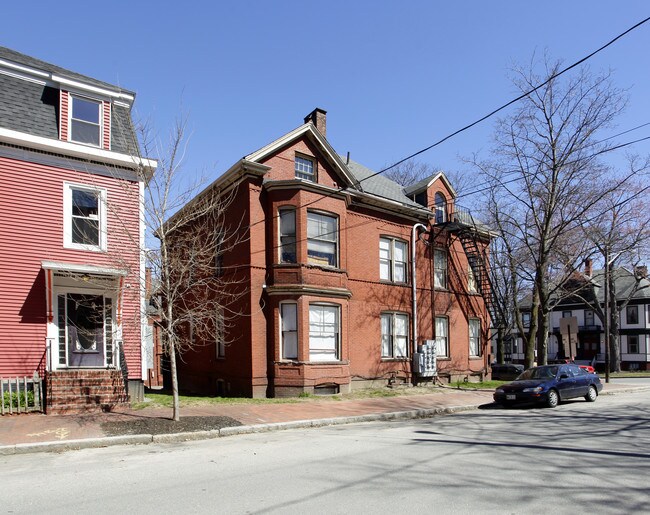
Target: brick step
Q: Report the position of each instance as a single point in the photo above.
(72, 398)
(82, 382)
(85, 373)
(80, 393)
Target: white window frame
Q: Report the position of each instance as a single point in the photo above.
(320, 238)
(476, 340)
(391, 261)
(440, 204)
(388, 340)
(100, 125)
(590, 318)
(472, 286)
(440, 275)
(68, 187)
(525, 318)
(283, 347)
(281, 212)
(630, 309)
(337, 348)
(301, 163)
(442, 340)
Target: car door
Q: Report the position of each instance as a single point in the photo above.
(565, 382)
(581, 381)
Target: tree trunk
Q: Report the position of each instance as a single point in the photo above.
(500, 345)
(176, 413)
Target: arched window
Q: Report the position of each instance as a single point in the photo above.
(441, 208)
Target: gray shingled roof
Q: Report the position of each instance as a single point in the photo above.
(32, 62)
(624, 282)
(379, 185)
(420, 185)
(34, 109)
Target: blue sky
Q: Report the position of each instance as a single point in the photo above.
(393, 76)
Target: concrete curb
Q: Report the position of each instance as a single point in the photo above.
(108, 441)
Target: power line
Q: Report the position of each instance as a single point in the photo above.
(508, 104)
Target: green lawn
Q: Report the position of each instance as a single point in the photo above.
(164, 400)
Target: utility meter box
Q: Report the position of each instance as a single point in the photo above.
(425, 359)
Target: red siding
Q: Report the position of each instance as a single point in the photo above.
(31, 230)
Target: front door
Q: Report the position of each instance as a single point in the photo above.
(85, 328)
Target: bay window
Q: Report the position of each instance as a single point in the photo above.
(322, 239)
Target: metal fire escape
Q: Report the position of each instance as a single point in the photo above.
(475, 241)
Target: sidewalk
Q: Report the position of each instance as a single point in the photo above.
(37, 432)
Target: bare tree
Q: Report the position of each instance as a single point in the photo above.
(620, 234)
(410, 172)
(194, 287)
(545, 167)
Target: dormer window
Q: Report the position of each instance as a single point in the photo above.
(85, 121)
(441, 208)
(305, 169)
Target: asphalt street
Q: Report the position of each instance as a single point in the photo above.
(578, 457)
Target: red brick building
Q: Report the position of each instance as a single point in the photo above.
(328, 270)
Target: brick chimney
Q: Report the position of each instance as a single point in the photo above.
(319, 118)
(588, 267)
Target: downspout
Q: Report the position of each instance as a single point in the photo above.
(414, 304)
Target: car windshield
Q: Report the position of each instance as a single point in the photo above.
(538, 373)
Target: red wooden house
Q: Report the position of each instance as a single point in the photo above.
(71, 234)
(351, 280)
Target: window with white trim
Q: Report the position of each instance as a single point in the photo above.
(304, 168)
(393, 256)
(442, 336)
(440, 268)
(632, 314)
(589, 317)
(84, 217)
(471, 276)
(525, 318)
(394, 335)
(85, 121)
(441, 208)
(322, 239)
(287, 236)
(474, 337)
(324, 340)
(289, 330)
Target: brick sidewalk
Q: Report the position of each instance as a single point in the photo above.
(37, 428)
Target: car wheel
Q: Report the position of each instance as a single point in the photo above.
(552, 399)
(592, 394)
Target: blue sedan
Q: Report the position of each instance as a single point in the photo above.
(548, 385)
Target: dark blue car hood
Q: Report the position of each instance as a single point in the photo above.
(520, 385)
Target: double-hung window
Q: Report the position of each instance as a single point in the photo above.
(471, 276)
(442, 336)
(304, 168)
(440, 268)
(394, 335)
(289, 328)
(632, 314)
(392, 260)
(287, 236)
(589, 317)
(85, 121)
(474, 337)
(324, 332)
(441, 208)
(84, 217)
(322, 239)
(633, 344)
